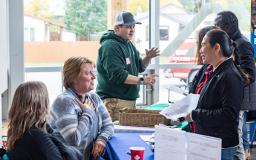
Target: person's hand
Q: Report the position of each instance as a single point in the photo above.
(188, 118)
(87, 104)
(99, 148)
(153, 52)
(150, 80)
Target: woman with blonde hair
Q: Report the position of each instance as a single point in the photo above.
(78, 116)
(27, 136)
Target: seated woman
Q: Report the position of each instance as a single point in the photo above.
(27, 137)
(78, 117)
(221, 84)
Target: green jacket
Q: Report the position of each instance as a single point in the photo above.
(116, 59)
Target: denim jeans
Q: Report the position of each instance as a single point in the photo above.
(245, 134)
(228, 153)
(239, 155)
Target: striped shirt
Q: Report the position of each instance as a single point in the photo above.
(77, 128)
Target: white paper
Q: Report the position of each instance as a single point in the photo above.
(203, 147)
(145, 138)
(169, 144)
(181, 107)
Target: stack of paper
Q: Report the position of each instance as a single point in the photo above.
(181, 107)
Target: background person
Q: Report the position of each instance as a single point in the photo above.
(118, 66)
(199, 61)
(221, 93)
(27, 136)
(228, 22)
(78, 117)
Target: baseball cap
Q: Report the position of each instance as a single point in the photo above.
(125, 18)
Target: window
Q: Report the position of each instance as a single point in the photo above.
(164, 33)
(32, 34)
(78, 31)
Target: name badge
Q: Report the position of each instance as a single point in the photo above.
(128, 61)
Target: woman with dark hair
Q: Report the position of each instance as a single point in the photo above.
(27, 136)
(201, 35)
(228, 22)
(199, 61)
(221, 84)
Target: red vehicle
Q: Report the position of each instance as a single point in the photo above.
(178, 57)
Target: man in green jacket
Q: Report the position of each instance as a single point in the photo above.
(118, 66)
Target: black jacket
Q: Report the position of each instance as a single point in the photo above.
(246, 53)
(219, 103)
(36, 144)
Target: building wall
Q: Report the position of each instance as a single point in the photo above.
(141, 31)
(68, 36)
(3, 55)
(3, 47)
(39, 28)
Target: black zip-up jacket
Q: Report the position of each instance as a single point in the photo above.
(246, 53)
(219, 103)
(36, 144)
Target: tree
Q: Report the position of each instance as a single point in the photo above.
(39, 8)
(226, 3)
(187, 4)
(242, 24)
(86, 16)
(166, 2)
(133, 6)
(144, 4)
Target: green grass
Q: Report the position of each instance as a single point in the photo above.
(44, 64)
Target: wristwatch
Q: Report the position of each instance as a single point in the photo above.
(141, 80)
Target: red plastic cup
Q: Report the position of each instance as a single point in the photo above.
(137, 153)
(4, 141)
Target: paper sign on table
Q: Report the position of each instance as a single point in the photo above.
(169, 143)
(203, 147)
(145, 138)
(181, 107)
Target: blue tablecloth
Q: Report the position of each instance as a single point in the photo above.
(121, 142)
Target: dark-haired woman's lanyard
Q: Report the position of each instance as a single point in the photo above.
(198, 91)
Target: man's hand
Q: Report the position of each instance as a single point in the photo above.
(99, 148)
(150, 80)
(153, 52)
(87, 104)
(188, 118)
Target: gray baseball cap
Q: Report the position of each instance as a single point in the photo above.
(125, 18)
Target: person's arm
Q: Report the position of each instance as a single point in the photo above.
(152, 53)
(114, 65)
(72, 129)
(66, 152)
(247, 60)
(107, 128)
(231, 94)
(45, 148)
(136, 80)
